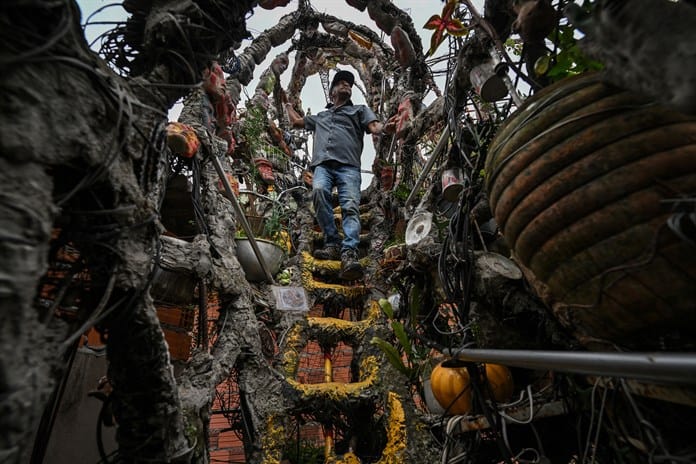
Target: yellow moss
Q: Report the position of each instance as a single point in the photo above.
(333, 391)
(341, 324)
(339, 391)
(326, 265)
(272, 442)
(312, 264)
(340, 329)
(309, 264)
(348, 458)
(374, 312)
(291, 355)
(369, 368)
(396, 432)
(283, 239)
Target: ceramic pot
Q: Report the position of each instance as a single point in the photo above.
(272, 254)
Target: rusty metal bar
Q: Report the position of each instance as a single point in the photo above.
(241, 217)
(441, 144)
(203, 315)
(660, 367)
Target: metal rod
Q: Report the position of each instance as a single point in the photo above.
(674, 368)
(436, 152)
(512, 90)
(241, 217)
(203, 315)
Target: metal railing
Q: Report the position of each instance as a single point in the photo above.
(661, 367)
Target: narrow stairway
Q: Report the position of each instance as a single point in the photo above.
(359, 421)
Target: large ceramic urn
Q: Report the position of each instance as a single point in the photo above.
(594, 190)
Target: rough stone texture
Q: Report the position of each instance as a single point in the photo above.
(71, 145)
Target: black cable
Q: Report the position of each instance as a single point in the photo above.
(475, 382)
(106, 402)
(48, 418)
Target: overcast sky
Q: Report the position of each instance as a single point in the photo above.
(261, 19)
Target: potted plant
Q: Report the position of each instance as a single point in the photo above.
(270, 232)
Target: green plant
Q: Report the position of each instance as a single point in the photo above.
(406, 357)
(402, 192)
(253, 127)
(569, 61)
(267, 216)
(254, 130)
(275, 222)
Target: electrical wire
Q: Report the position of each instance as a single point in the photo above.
(531, 410)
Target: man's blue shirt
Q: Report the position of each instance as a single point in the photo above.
(338, 133)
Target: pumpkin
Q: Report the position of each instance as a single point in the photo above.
(500, 379)
(450, 383)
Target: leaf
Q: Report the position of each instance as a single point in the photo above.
(415, 301)
(449, 9)
(435, 41)
(360, 39)
(392, 355)
(433, 23)
(401, 335)
(386, 307)
(456, 28)
(444, 23)
(541, 66)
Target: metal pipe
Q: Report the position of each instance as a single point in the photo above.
(274, 200)
(203, 315)
(436, 152)
(241, 217)
(328, 367)
(661, 367)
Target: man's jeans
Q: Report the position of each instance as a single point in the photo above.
(347, 180)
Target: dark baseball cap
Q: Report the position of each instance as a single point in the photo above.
(342, 75)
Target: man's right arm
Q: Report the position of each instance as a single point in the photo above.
(295, 119)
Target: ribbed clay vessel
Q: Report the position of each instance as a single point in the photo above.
(594, 190)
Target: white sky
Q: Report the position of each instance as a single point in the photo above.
(312, 94)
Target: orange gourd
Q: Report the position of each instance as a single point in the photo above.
(451, 385)
(500, 379)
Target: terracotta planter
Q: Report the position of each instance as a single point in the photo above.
(581, 181)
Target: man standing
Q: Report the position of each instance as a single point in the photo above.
(338, 143)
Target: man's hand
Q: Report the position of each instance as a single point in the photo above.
(389, 127)
(295, 119)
